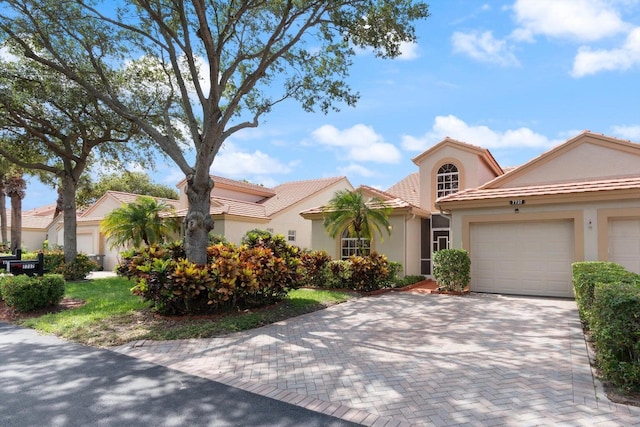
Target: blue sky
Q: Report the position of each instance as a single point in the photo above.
(517, 77)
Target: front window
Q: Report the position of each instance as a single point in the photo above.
(291, 236)
(447, 180)
(349, 246)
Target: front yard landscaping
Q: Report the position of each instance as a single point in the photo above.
(103, 313)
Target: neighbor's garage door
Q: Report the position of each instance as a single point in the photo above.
(624, 243)
(527, 258)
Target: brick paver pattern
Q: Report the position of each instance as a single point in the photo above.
(414, 359)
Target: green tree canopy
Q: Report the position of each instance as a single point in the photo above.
(146, 220)
(51, 127)
(127, 182)
(360, 217)
(217, 66)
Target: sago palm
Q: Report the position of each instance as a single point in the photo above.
(144, 221)
(350, 211)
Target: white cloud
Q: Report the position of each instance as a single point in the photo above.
(355, 169)
(482, 136)
(582, 20)
(233, 163)
(589, 61)
(628, 132)
(484, 47)
(359, 143)
(409, 51)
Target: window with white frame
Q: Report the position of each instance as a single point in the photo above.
(447, 180)
(291, 236)
(349, 246)
(270, 230)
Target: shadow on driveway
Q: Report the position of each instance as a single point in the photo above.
(48, 382)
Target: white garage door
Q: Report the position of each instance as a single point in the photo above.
(528, 258)
(624, 243)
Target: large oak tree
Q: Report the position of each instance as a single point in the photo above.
(227, 62)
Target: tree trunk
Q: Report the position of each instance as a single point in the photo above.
(3, 212)
(70, 218)
(198, 221)
(16, 222)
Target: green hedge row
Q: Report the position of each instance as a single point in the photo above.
(608, 299)
(26, 293)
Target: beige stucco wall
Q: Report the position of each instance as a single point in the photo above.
(392, 246)
(583, 162)
(472, 172)
(322, 241)
(290, 218)
(32, 239)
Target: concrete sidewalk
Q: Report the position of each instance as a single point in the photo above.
(409, 359)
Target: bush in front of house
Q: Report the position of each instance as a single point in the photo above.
(615, 328)
(78, 269)
(370, 273)
(233, 278)
(27, 293)
(586, 274)
(313, 265)
(452, 269)
(361, 273)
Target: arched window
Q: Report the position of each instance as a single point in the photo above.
(447, 180)
(349, 246)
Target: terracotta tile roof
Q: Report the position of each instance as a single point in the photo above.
(47, 210)
(222, 206)
(254, 188)
(390, 200)
(290, 193)
(127, 198)
(604, 185)
(408, 189)
(34, 221)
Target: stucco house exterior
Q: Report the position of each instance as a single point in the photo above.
(418, 228)
(236, 208)
(523, 228)
(578, 201)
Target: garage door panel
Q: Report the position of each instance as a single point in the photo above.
(624, 243)
(529, 258)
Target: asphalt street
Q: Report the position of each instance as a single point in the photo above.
(45, 381)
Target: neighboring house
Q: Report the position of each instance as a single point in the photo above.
(522, 228)
(236, 208)
(417, 226)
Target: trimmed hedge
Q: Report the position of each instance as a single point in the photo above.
(27, 293)
(608, 299)
(615, 326)
(452, 269)
(585, 276)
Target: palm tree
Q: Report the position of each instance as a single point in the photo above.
(15, 186)
(349, 211)
(146, 220)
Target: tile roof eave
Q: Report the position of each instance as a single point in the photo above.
(549, 194)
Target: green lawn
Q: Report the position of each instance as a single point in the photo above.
(113, 316)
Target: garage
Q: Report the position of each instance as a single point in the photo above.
(624, 243)
(523, 258)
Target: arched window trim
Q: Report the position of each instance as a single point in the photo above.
(447, 180)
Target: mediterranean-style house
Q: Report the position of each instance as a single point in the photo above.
(522, 228)
(236, 208)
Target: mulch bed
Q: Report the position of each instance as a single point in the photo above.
(8, 314)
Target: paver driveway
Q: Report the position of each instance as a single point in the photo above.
(409, 359)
